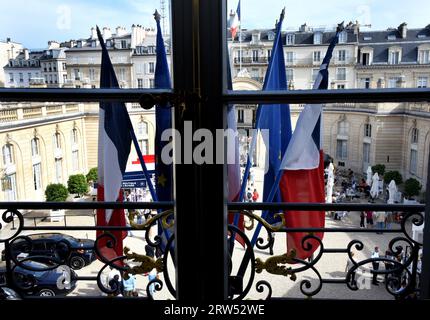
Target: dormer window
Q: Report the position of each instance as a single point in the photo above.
(94, 43)
(271, 36)
(317, 38)
(367, 38)
(108, 43)
(255, 37)
(79, 44)
(290, 39)
(391, 37)
(424, 56)
(394, 56)
(343, 37)
(421, 36)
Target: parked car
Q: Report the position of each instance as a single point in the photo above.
(54, 245)
(8, 294)
(43, 283)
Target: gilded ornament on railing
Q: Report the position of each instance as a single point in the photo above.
(146, 263)
(268, 226)
(276, 265)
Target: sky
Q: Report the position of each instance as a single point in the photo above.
(34, 23)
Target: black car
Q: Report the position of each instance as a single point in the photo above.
(44, 282)
(54, 245)
(8, 294)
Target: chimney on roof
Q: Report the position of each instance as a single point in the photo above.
(7, 40)
(93, 33)
(403, 29)
(304, 28)
(120, 31)
(26, 54)
(107, 34)
(53, 45)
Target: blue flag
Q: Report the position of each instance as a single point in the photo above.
(163, 121)
(275, 118)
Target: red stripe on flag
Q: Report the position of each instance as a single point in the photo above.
(303, 186)
(117, 220)
(149, 158)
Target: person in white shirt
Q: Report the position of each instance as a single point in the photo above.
(375, 264)
(380, 220)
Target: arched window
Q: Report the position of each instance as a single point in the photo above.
(57, 140)
(343, 128)
(35, 150)
(414, 135)
(8, 155)
(74, 136)
(142, 128)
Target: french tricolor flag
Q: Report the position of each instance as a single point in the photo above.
(234, 27)
(303, 168)
(114, 144)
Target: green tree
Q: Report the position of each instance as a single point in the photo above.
(92, 175)
(393, 175)
(56, 192)
(379, 168)
(77, 184)
(412, 187)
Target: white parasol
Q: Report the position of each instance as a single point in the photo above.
(392, 191)
(369, 176)
(330, 183)
(374, 191)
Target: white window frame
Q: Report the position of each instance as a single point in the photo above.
(290, 39)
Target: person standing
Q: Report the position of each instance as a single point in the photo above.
(369, 218)
(375, 264)
(362, 216)
(349, 265)
(388, 220)
(129, 285)
(380, 220)
(255, 195)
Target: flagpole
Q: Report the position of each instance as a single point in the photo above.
(142, 163)
(240, 39)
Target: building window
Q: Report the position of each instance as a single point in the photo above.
(365, 59)
(92, 74)
(123, 44)
(341, 74)
(290, 75)
(59, 170)
(35, 147)
(317, 56)
(75, 137)
(8, 155)
(75, 160)
(343, 128)
(21, 77)
(37, 177)
(413, 162)
(57, 141)
(270, 36)
(76, 73)
(341, 55)
(64, 78)
(366, 152)
(343, 37)
(342, 149)
(151, 67)
(269, 54)
(151, 83)
(394, 82)
(11, 77)
(255, 37)
(255, 74)
(10, 188)
(140, 83)
(414, 135)
(340, 86)
(240, 116)
(64, 66)
(143, 144)
(424, 56)
(254, 55)
(29, 76)
(238, 55)
(422, 82)
(290, 39)
(315, 74)
(394, 57)
(318, 38)
(289, 57)
(368, 130)
(142, 128)
(122, 74)
(365, 83)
